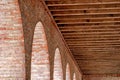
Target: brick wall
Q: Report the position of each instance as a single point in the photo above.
(40, 60)
(12, 61)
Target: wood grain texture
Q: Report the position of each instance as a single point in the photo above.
(91, 29)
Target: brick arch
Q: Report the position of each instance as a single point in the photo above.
(68, 72)
(58, 72)
(74, 76)
(12, 60)
(40, 58)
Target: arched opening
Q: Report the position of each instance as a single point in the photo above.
(40, 57)
(74, 76)
(68, 72)
(58, 73)
(12, 54)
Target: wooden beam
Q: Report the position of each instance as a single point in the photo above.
(87, 11)
(76, 4)
(91, 35)
(94, 44)
(105, 22)
(90, 27)
(90, 47)
(97, 18)
(91, 39)
(84, 9)
(96, 52)
(88, 20)
(73, 30)
(86, 14)
(97, 66)
(102, 75)
(98, 58)
(116, 41)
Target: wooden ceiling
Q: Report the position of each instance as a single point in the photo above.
(91, 29)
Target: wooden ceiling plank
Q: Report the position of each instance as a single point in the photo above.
(91, 35)
(89, 22)
(83, 46)
(89, 31)
(94, 44)
(72, 30)
(92, 32)
(90, 27)
(79, 29)
(86, 14)
(85, 9)
(87, 18)
(98, 3)
(101, 18)
(98, 53)
(93, 39)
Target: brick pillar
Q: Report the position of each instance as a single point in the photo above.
(67, 72)
(12, 54)
(58, 73)
(40, 59)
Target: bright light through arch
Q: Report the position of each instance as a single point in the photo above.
(67, 72)
(74, 76)
(40, 57)
(58, 73)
